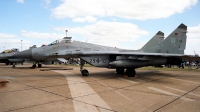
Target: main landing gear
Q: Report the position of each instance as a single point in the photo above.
(34, 65)
(84, 72)
(7, 63)
(39, 65)
(130, 72)
(13, 64)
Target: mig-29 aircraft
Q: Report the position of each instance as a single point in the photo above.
(167, 51)
(27, 56)
(31, 55)
(6, 54)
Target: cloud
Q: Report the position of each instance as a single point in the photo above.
(193, 35)
(46, 3)
(5, 36)
(20, 1)
(37, 35)
(9, 43)
(193, 40)
(129, 9)
(85, 19)
(106, 33)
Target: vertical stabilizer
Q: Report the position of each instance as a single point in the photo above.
(175, 43)
(153, 45)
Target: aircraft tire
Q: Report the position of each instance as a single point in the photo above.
(130, 72)
(13, 66)
(39, 65)
(33, 66)
(7, 63)
(120, 70)
(85, 72)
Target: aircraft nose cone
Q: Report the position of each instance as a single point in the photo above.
(26, 54)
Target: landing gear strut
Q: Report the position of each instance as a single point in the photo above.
(84, 72)
(13, 65)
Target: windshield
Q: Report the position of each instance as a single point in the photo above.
(60, 41)
(54, 42)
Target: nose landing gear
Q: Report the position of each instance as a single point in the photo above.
(84, 72)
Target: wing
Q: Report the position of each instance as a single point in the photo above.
(123, 53)
(114, 59)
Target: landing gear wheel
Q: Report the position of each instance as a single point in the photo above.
(33, 66)
(130, 72)
(120, 70)
(7, 63)
(39, 65)
(85, 72)
(13, 65)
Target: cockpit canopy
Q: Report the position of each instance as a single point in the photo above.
(64, 40)
(10, 50)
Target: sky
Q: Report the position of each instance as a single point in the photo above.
(125, 24)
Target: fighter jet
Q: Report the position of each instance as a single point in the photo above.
(167, 51)
(27, 56)
(34, 55)
(6, 54)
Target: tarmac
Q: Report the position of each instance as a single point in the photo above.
(66, 90)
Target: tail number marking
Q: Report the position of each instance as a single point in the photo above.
(97, 60)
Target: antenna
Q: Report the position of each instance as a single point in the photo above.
(69, 38)
(87, 40)
(66, 32)
(196, 55)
